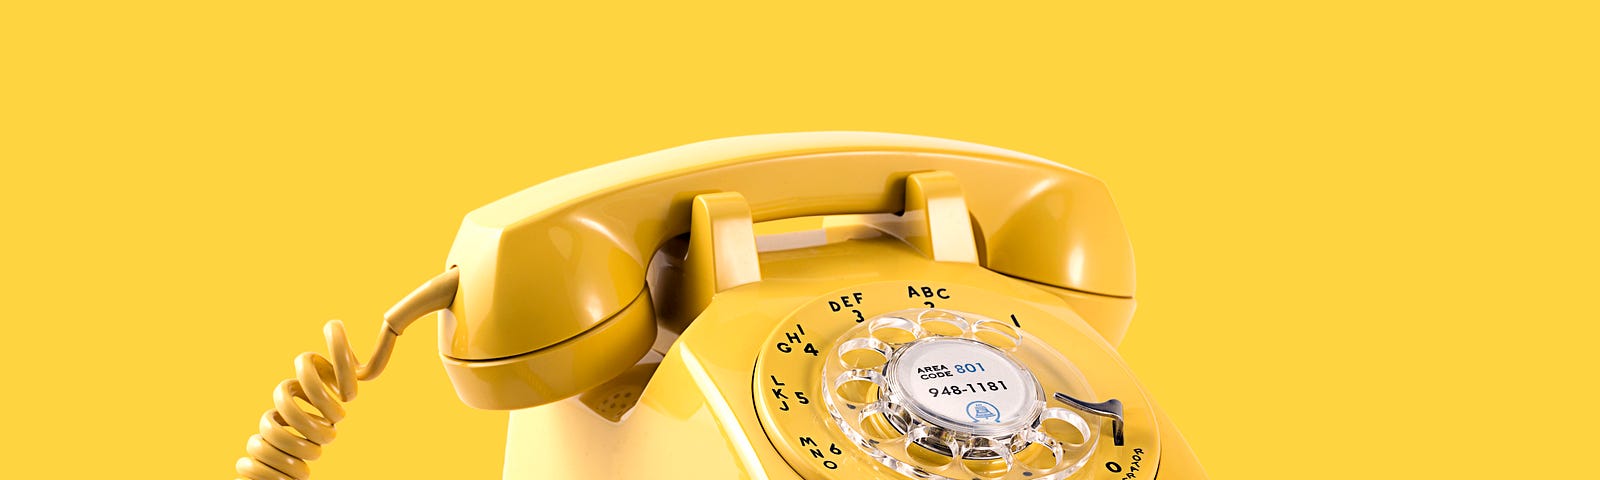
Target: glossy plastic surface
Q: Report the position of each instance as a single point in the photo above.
(559, 371)
(552, 304)
(546, 264)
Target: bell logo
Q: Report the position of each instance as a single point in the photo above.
(982, 411)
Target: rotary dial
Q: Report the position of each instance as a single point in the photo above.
(937, 393)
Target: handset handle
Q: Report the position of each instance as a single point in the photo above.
(551, 262)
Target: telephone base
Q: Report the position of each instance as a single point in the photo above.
(696, 414)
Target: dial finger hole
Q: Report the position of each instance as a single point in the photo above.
(865, 352)
(996, 333)
(987, 457)
(942, 323)
(875, 421)
(1064, 426)
(928, 449)
(858, 386)
(1042, 452)
(894, 330)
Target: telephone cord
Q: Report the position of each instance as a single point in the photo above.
(290, 435)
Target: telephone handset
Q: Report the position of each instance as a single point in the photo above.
(954, 317)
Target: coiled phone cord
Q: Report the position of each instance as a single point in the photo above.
(279, 453)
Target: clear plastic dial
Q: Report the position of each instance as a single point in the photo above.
(935, 393)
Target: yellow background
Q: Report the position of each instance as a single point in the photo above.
(1365, 230)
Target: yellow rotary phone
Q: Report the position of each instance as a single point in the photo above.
(955, 316)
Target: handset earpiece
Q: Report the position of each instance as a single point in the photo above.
(552, 297)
